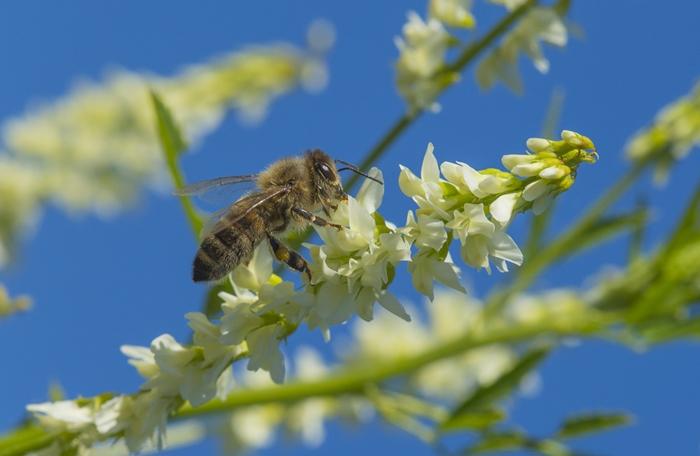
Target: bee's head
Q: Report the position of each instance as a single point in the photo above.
(325, 178)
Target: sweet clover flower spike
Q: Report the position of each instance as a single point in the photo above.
(351, 271)
(540, 24)
(422, 49)
(675, 131)
(549, 170)
(476, 206)
(94, 149)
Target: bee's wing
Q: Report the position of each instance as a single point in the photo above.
(219, 189)
(220, 221)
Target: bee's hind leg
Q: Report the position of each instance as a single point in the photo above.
(318, 221)
(289, 257)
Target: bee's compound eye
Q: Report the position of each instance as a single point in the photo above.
(325, 171)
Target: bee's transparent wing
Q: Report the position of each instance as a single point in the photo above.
(217, 222)
(220, 190)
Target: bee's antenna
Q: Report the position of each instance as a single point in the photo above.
(356, 170)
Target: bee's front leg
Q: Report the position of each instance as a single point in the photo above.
(289, 257)
(318, 221)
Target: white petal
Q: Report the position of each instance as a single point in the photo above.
(512, 160)
(537, 144)
(552, 172)
(505, 248)
(535, 189)
(360, 220)
(265, 353)
(409, 183)
(390, 303)
(502, 208)
(371, 193)
(430, 172)
(541, 204)
(445, 273)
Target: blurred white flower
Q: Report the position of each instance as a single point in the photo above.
(96, 148)
(674, 132)
(63, 414)
(454, 13)
(421, 59)
(541, 24)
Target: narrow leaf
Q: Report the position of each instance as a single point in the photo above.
(173, 145)
(509, 440)
(485, 395)
(168, 131)
(477, 420)
(604, 229)
(591, 423)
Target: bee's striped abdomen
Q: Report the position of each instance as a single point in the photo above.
(226, 248)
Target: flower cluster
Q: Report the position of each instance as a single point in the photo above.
(420, 68)
(94, 149)
(350, 271)
(354, 266)
(675, 131)
(541, 24)
(476, 206)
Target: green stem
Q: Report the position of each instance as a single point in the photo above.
(193, 218)
(354, 381)
(467, 56)
(348, 380)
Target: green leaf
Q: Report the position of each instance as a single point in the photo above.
(173, 145)
(508, 440)
(503, 385)
(667, 330)
(591, 423)
(477, 420)
(168, 131)
(604, 229)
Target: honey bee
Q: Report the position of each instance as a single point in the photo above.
(288, 194)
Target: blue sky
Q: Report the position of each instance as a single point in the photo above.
(102, 283)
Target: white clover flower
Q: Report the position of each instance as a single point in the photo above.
(265, 353)
(422, 56)
(426, 231)
(455, 13)
(539, 24)
(351, 270)
(444, 201)
(426, 267)
(63, 414)
(427, 191)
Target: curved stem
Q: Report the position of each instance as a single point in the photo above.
(467, 56)
(353, 381)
